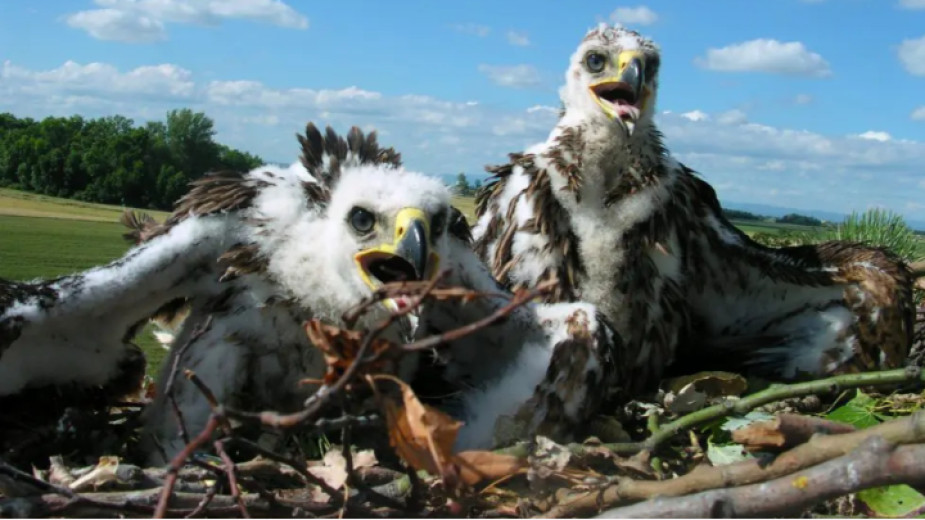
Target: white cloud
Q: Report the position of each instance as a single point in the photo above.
(640, 15)
(112, 24)
(743, 160)
(142, 21)
(515, 76)
(769, 56)
(912, 55)
(874, 135)
(732, 117)
(695, 115)
(912, 4)
(918, 114)
(518, 38)
(165, 80)
(543, 109)
(802, 99)
(472, 28)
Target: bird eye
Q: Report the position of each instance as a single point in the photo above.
(595, 61)
(438, 224)
(651, 68)
(361, 220)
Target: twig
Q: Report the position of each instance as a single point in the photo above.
(232, 477)
(206, 392)
(28, 484)
(138, 503)
(175, 368)
(206, 500)
(519, 299)
(177, 463)
(818, 449)
(874, 463)
(300, 468)
(418, 290)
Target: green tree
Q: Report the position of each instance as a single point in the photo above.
(802, 220)
(462, 185)
(112, 160)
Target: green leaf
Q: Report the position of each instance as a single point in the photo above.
(734, 423)
(858, 412)
(892, 501)
(722, 454)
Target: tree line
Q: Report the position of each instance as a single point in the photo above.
(790, 218)
(111, 160)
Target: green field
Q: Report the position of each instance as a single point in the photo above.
(44, 247)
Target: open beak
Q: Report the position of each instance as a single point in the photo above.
(623, 97)
(409, 257)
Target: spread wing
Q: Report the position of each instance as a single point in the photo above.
(77, 328)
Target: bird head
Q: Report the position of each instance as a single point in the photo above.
(378, 224)
(393, 226)
(613, 77)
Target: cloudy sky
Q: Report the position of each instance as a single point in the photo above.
(811, 104)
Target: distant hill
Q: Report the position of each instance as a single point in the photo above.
(758, 209)
(780, 211)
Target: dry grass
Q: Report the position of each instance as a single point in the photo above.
(23, 204)
(467, 206)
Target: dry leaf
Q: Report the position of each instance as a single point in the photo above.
(475, 466)
(785, 431)
(333, 470)
(340, 348)
(693, 392)
(424, 436)
(364, 459)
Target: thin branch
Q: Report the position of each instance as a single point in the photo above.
(519, 299)
(177, 463)
(206, 500)
(299, 468)
(874, 463)
(232, 477)
(175, 369)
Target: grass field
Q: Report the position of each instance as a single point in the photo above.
(44, 237)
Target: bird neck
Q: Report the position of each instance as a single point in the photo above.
(602, 158)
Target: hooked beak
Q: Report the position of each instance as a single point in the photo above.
(623, 97)
(409, 257)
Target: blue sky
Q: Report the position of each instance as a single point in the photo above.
(810, 104)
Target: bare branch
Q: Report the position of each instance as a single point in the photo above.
(232, 477)
(174, 370)
(874, 463)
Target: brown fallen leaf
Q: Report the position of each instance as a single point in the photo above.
(477, 465)
(424, 436)
(785, 431)
(333, 469)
